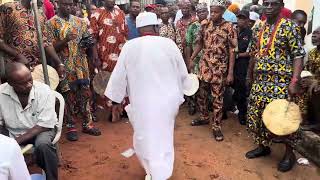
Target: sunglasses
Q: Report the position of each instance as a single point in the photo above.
(272, 4)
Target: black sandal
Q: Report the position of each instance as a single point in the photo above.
(198, 122)
(218, 135)
(72, 135)
(91, 131)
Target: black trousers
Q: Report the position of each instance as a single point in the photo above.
(240, 88)
(313, 110)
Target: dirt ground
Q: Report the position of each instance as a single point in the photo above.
(198, 156)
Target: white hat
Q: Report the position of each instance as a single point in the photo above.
(305, 74)
(146, 19)
(254, 16)
(190, 85)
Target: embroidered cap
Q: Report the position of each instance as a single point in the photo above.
(146, 19)
(221, 3)
(201, 6)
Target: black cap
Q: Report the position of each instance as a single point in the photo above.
(244, 13)
(162, 2)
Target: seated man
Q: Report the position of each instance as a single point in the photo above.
(27, 113)
(311, 85)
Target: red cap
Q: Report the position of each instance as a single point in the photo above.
(153, 6)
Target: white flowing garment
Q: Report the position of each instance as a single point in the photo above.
(151, 71)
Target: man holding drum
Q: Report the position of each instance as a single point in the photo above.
(276, 66)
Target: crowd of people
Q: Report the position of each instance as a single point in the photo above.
(256, 52)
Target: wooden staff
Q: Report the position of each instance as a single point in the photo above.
(40, 41)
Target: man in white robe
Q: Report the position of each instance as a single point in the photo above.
(152, 72)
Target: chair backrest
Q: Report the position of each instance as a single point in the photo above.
(60, 115)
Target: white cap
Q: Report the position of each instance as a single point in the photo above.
(305, 74)
(254, 16)
(146, 19)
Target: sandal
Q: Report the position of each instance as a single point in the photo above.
(91, 131)
(218, 135)
(198, 122)
(72, 134)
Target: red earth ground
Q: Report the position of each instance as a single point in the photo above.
(197, 155)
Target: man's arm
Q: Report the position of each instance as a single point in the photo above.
(232, 58)
(53, 54)
(297, 67)
(31, 133)
(251, 69)
(12, 52)
(244, 55)
(117, 86)
(233, 44)
(298, 53)
(59, 66)
(188, 48)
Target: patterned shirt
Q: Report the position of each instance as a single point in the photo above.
(110, 30)
(313, 66)
(313, 63)
(181, 31)
(73, 56)
(191, 38)
(217, 40)
(167, 30)
(18, 30)
(275, 47)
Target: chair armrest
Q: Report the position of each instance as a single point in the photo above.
(27, 148)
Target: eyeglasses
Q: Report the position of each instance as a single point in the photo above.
(272, 4)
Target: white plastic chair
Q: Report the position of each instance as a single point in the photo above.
(29, 148)
(60, 117)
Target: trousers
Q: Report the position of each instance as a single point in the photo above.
(216, 90)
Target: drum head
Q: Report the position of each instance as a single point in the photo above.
(282, 117)
(100, 82)
(37, 75)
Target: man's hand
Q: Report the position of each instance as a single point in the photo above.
(306, 82)
(191, 65)
(61, 71)
(116, 112)
(21, 59)
(96, 60)
(230, 79)
(71, 36)
(19, 140)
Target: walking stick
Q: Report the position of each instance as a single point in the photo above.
(40, 41)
